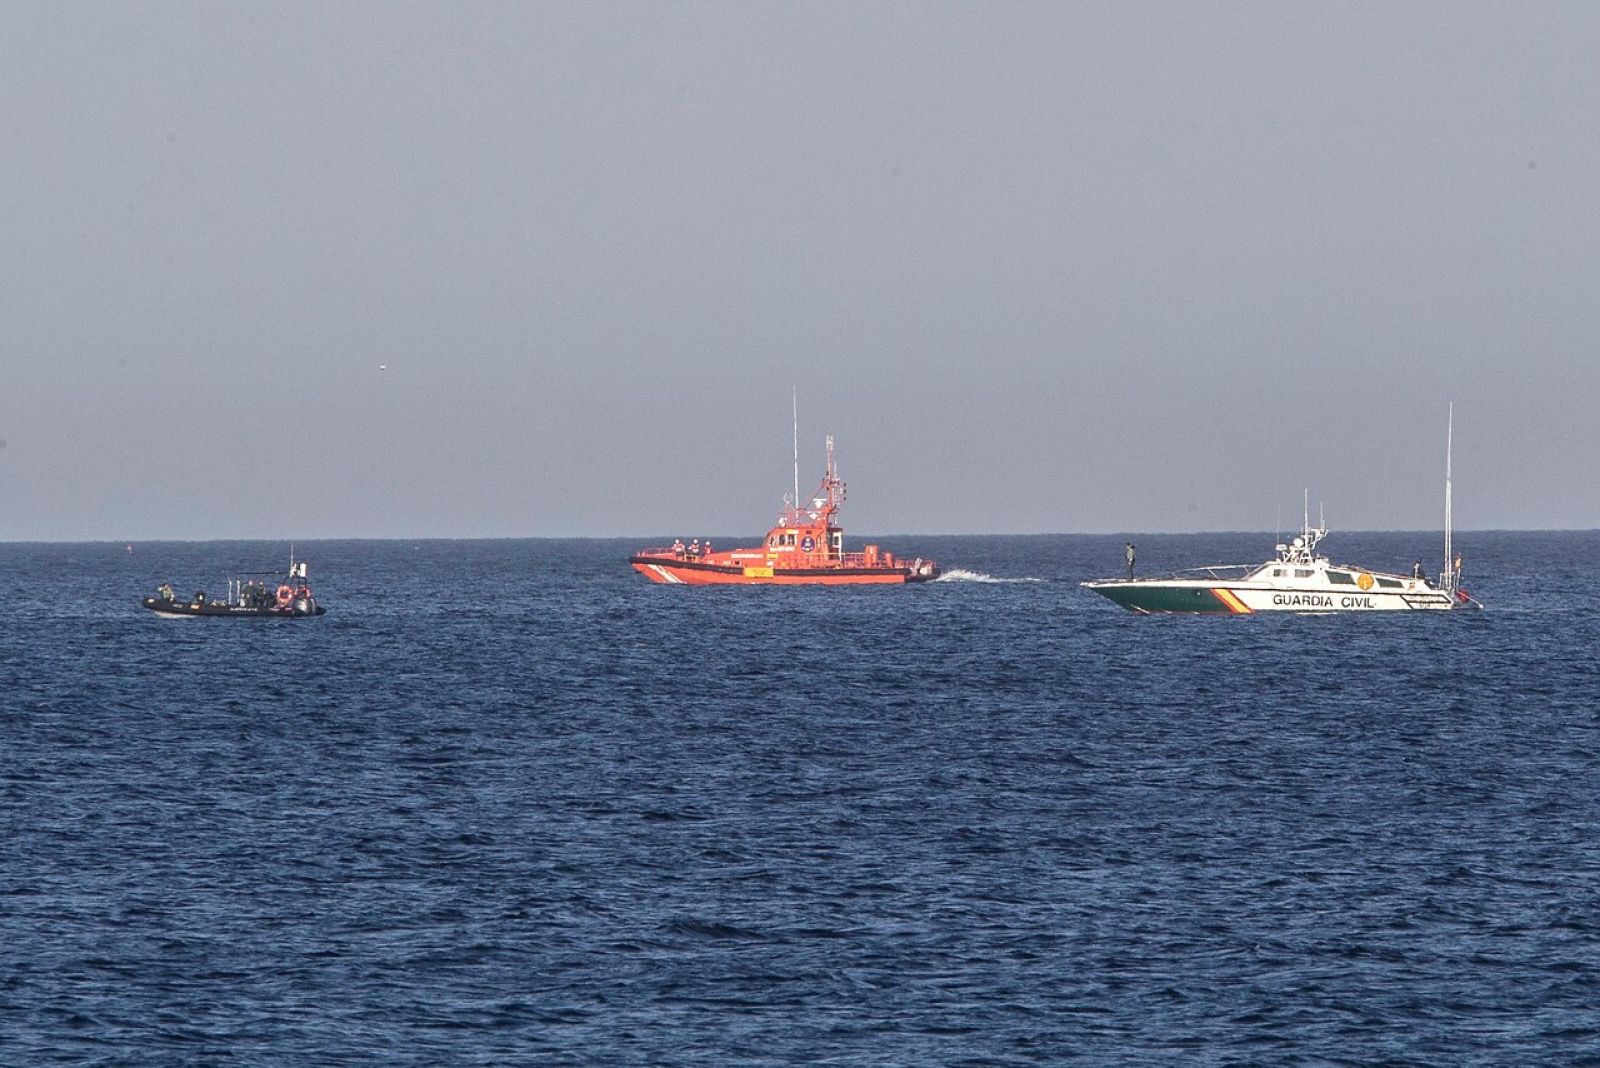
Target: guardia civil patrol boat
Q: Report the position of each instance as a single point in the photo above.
(1299, 580)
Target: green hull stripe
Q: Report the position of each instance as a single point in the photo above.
(1164, 599)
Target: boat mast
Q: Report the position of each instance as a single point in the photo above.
(794, 398)
(1448, 578)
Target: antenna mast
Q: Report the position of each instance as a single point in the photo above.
(1448, 578)
(794, 397)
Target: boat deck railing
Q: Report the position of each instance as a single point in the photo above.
(1216, 571)
(860, 560)
(667, 552)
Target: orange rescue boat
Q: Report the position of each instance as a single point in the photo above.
(805, 548)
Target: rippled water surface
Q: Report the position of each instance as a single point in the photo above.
(509, 803)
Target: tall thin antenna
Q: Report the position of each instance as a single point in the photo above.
(1449, 576)
(794, 397)
(1305, 511)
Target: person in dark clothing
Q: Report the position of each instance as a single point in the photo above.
(1127, 551)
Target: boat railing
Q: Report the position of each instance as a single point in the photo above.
(236, 587)
(673, 552)
(1216, 571)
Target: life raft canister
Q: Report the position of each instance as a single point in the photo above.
(285, 595)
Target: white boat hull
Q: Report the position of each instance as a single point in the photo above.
(1275, 600)
(1212, 596)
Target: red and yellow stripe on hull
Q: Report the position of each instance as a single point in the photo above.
(1231, 599)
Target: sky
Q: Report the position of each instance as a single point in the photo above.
(279, 270)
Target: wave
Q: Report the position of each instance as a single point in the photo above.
(957, 574)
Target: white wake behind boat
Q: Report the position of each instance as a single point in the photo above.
(1299, 580)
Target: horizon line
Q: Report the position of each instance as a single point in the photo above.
(637, 537)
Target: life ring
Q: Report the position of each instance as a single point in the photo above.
(285, 595)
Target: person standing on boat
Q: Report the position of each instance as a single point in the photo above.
(1127, 551)
(677, 548)
(1458, 568)
(1416, 570)
(694, 549)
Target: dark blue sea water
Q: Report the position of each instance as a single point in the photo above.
(508, 803)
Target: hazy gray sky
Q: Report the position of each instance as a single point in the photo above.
(1038, 267)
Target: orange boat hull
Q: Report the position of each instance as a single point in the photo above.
(700, 573)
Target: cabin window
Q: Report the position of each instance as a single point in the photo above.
(1390, 584)
(1303, 572)
(1341, 578)
(1279, 572)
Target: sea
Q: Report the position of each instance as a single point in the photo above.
(509, 803)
